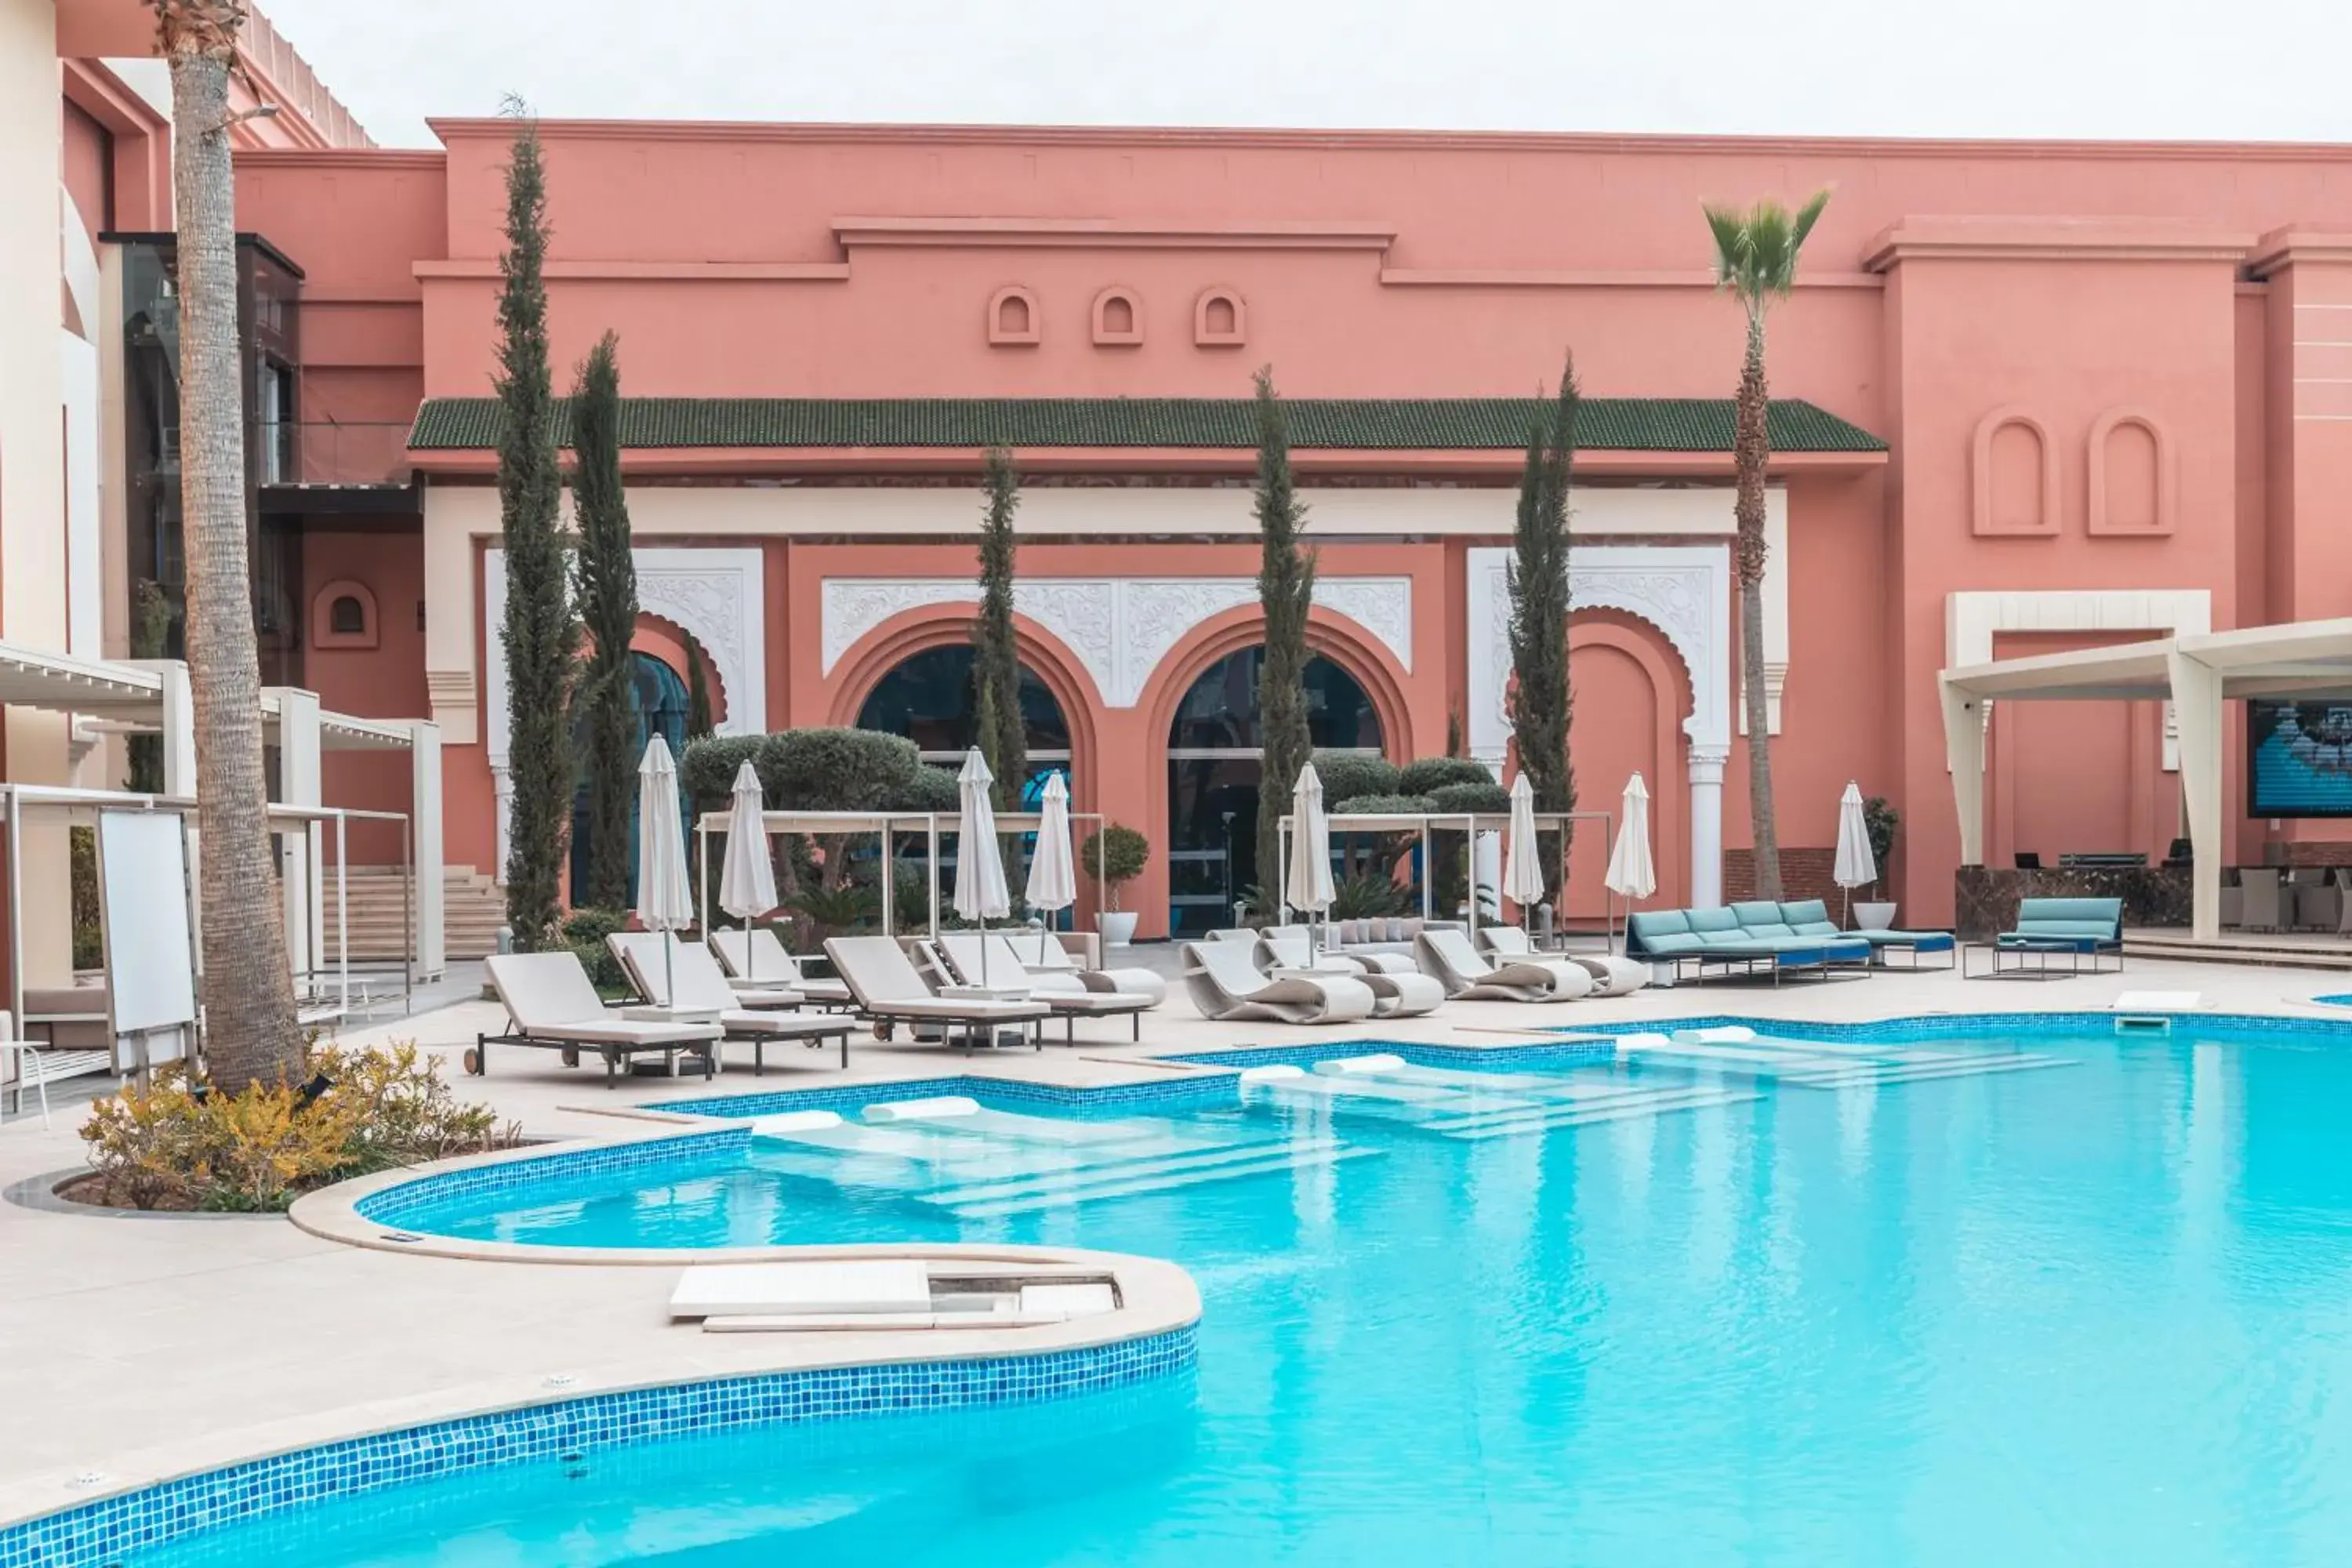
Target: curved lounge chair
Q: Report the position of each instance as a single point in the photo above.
(991, 960)
(1611, 975)
(689, 979)
(1225, 985)
(1448, 955)
(1396, 993)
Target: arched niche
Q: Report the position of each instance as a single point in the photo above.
(2133, 477)
(2014, 492)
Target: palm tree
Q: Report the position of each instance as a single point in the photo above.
(250, 1029)
(1755, 259)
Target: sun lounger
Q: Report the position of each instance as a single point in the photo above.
(889, 990)
(551, 1004)
(1041, 954)
(1396, 993)
(653, 959)
(1459, 967)
(975, 958)
(756, 958)
(1611, 975)
(757, 1016)
(1224, 984)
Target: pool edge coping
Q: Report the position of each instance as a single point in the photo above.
(1158, 1297)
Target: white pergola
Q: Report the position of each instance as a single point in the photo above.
(2307, 661)
(151, 697)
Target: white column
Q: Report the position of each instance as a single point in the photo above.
(424, 839)
(1707, 826)
(2197, 704)
(502, 786)
(298, 785)
(1964, 748)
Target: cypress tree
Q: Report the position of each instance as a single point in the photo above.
(608, 594)
(698, 722)
(539, 631)
(1537, 579)
(1286, 586)
(996, 664)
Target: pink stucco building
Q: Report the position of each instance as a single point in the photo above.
(2035, 396)
(2041, 396)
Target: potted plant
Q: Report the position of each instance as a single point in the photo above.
(1115, 855)
(1879, 820)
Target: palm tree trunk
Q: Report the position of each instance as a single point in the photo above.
(248, 996)
(1752, 452)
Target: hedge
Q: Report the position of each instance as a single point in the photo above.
(1431, 773)
(1347, 775)
(1484, 796)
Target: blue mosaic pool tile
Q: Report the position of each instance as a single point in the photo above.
(1927, 1027)
(98, 1533)
(1577, 1045)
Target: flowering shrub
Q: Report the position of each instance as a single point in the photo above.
(175, 1145)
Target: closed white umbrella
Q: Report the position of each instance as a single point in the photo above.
(665, 903)
(1306, 880)
(1523, 878)
(747, 883)
(1856, 867)
(1053, 869)
(980, 891)
(1631, 873)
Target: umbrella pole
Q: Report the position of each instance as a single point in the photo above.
(669, 968)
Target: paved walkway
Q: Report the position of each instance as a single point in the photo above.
(123, 1336)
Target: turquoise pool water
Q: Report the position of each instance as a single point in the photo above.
(2064, 1299)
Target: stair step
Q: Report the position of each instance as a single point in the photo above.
(1285, 1158)
(1922, 1072)
(1119, 1168)
(1694, 1099)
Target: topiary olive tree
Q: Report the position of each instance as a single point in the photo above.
(1113, 856)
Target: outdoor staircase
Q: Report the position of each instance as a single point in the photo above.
(473, 911)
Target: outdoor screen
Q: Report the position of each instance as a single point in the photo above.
(2299, 759)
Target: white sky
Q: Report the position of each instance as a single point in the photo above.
(2280, 71)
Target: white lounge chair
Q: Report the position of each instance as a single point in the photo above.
(702, 984)
(688, 978)
(991, 960)
(1611, 975)
(1224, 984)
(1396, 993)
(1458, 966)
(1041, 954)
(888, 991)
(551, 1004)
(756, 958)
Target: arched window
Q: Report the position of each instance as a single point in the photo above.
(1214, 749)
(928, 698)
(342, 615)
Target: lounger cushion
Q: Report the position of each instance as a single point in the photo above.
(2096, 929)
(620, 1032)
(1805, 911)
(1769, 930)
(2108, 912)
(1754, 913)
(1650, 923)
(1680, 941)
(1704, 921)
(1923, 940)
(1815, 928)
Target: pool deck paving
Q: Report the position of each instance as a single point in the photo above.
(138, 1347)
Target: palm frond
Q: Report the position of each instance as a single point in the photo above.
(1757, 249)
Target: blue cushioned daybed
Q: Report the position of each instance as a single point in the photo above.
(2051, 929)
(1812, 918)
(1754, 938)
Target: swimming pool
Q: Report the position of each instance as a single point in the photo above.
(2026, 1294)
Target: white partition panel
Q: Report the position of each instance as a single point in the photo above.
(142, 867)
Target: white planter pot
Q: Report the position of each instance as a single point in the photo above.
(1872, 916)
(1118, 927)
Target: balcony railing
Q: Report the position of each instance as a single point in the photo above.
(332, 452)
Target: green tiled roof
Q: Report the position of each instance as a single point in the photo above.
(1453, 423)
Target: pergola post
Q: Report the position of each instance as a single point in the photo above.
(298, 785)
(432, 954)
(1963, 751)
(2196, 716)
